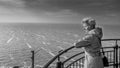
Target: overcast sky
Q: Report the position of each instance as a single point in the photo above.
(59, 11)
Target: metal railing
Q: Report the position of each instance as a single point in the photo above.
(111, 52)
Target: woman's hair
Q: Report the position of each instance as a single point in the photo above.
(90, 21)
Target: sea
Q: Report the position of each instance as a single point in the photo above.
(17, 40)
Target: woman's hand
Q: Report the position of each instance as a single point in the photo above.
(74, 44)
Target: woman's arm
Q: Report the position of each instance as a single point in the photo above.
(86, 41)
(82, 43)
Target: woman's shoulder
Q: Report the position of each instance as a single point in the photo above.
(97, 32)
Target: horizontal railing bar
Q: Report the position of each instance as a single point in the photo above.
(110, 39)
(108, 47)
(109, 51)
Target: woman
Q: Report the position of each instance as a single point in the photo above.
(91, 44)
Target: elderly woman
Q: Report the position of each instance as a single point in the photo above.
(91, 44)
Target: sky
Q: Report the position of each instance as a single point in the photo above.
(59, 11)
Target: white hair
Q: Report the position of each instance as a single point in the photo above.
(89, 20)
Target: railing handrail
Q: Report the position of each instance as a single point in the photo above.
(83, 57)
(109, 39)
(64, 51)
(82, 53)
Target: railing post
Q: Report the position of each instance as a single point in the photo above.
(114, 66)
(32, 58)
(59, 63)
(116, 54)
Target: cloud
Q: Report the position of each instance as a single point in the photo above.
(59, 10)
(15, 11)
(78, 6)
(12, 3)
(11, 7)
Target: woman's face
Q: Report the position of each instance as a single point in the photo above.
(86, 27)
